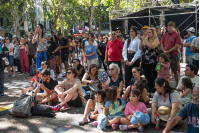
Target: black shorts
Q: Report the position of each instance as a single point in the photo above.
(76, 103)
(64, 57)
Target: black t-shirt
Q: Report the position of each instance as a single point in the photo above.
(83, 70)
(64, 42)
(51, 85)
(51, 47)
(102, 47)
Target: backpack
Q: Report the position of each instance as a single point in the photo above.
(32, 70)
(22, 106)
(42, 110)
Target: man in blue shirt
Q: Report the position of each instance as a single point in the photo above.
(187, 44)
(191, 112)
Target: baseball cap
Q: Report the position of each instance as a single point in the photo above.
(171, 23)
(120, 35)
(191, 29)
(14, 36)
(145, 27)
(103, 77)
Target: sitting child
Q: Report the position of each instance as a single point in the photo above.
(133, 106)
(186, 91)
(114, 105)
(100, 96)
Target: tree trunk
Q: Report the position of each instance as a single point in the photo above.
(16, 29)
(90, 20)
(62, 27)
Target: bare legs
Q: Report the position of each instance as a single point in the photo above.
(89, 106)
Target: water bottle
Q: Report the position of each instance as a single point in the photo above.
(158, 66)
(157, 127)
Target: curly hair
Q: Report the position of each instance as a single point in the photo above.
(164, 56)
(187, 83)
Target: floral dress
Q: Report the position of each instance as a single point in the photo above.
(149, 56)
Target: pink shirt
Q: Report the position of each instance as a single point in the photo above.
(164, 70)
(130, 109)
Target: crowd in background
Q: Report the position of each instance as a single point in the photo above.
(144, 63)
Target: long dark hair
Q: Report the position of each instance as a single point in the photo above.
(139, 70)
(163, 82)
(102, 93)
(140, 85)
(112, 95)
(165, 57)
(56, 39)
(187, 83)
(41, 26)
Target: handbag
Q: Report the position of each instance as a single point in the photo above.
(5, 62)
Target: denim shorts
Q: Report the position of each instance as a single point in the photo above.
(73, 51)
(11, 60)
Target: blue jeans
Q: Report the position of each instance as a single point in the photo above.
(40, 57)
(196, 63)
(100, 63)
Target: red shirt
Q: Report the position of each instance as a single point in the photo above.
(114, 50)
(169, 40)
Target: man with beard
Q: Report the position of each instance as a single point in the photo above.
(191, 112)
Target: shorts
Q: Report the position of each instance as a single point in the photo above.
(73, 51)
(64, 57)
(11, 60)
(114, 116)
(45, 96)
(57, 53)
(76, 103)
(174, 63)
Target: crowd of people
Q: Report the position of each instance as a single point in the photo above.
(147, 62)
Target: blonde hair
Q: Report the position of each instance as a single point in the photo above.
(153, 30)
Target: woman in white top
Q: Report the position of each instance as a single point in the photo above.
(131, 54)
(44, 65)
(10, 54)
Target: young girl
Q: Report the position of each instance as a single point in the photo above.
(164, 69)
(133, 106)
(114, 105)
(100, 96)
(187, 91)
(23, 55)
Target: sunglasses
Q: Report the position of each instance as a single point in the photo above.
(69, 72)
(73, 62)
(111, 69)
(113, 34)
(42, 64)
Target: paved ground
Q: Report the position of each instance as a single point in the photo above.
(63, 122)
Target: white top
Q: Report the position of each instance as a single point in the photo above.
(99, 107)
(194, 80)
(9, 47)
(52, 74)
(134, 46)
(195, 43)
(94, 43)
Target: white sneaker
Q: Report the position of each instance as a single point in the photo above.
(14, 75)
(60, 75)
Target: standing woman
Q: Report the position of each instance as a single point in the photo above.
(10, 53)
(41, 38)
(23, 56)
(131, 54)
(91, 53)
(102, 51)
(71, 50)
(57, 54)
(149, 46)
(1, 74)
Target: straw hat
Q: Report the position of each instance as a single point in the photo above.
(164, 112)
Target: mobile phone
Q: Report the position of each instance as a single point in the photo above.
(141, 32)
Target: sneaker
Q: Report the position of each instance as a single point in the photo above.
(14, 75)
(64, 107)
(83, 121)
(115, 126)
(123, 127)
(141, 128)
(57, 107)
(95, 123)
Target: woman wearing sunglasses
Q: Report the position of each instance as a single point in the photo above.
(115, 79)
(44, 65)
(69, 92)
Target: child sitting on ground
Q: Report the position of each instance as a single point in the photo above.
(100, 96)
(114, 105)
(133, 106)
(186, 91)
